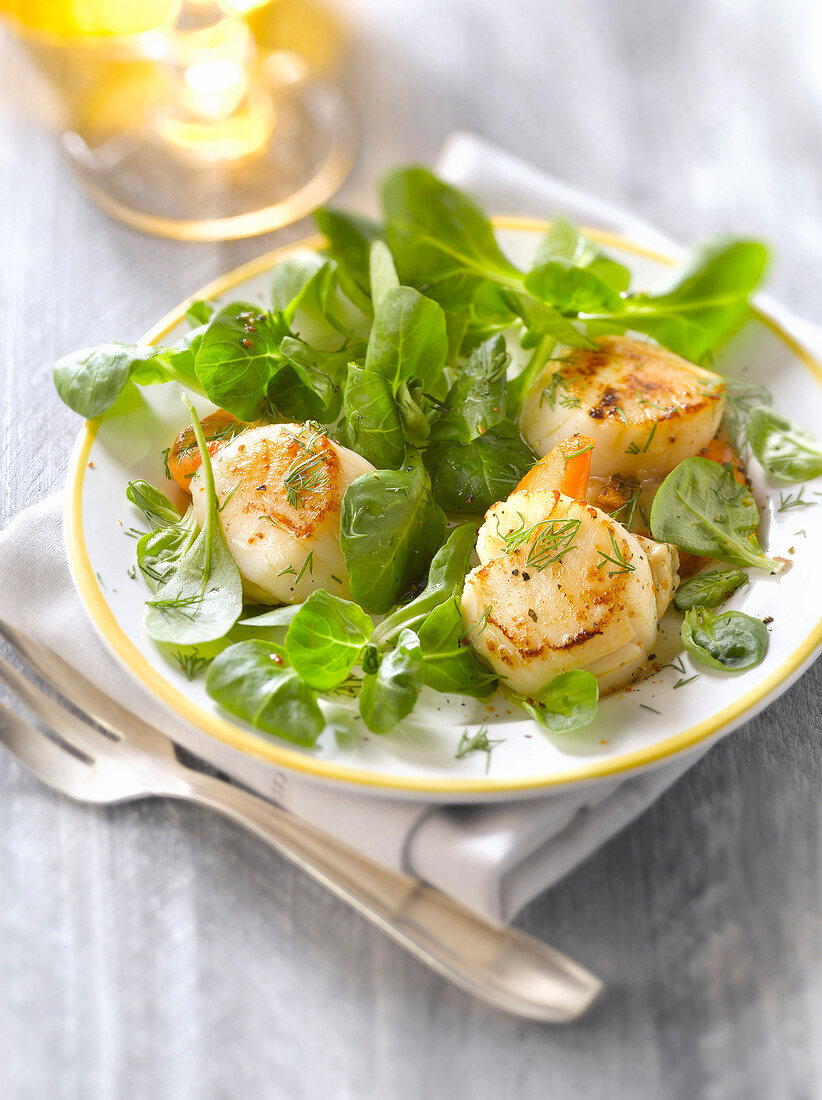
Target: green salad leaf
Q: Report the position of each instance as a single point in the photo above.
(415, 426)
(490, 312)
(782, 447)
(564, 243)
(469, 477)
(159, 552)
(701, 509)
(521, 385)
(155, 506)
(294, 278)
(90, 381)
(239, 354)
(572, 290)
(706, 303)
(543, 322)
(199, 312)
(373, 423)
(567, 702)
(390, 529)
(389, 694)
(445, 581)
(442, 242)
(476, 456)
(180, 359)
(450, 663)
(348, 241)
(476, 400)
(308, 384)
(200, 598)
(730, 642)
(325, 639)
(382, 273)
(252, 680)
(709, 589)
(408, 338)
(276, 616)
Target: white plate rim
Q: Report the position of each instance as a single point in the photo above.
(279, 754)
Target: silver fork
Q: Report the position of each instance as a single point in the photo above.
(110, 755)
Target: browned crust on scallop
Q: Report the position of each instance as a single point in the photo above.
(657, 374)
(259, 466)
(525, 633)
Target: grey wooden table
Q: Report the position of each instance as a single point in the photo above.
(154, 951)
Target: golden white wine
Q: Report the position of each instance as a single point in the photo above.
(76, 18)
(193, 118)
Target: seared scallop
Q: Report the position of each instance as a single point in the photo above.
(561, 586)
(646, 408)
(280, 490)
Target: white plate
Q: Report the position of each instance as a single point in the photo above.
(645, 724)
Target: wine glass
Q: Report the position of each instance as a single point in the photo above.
(178, 124)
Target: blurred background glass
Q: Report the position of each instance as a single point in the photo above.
(195, 119)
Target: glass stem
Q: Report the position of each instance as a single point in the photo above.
(215, 108)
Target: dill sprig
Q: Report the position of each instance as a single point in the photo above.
(304, 476)
(788, 501)
(617, 559)
(481, 623)
(557, 391)
(192, 664)
(626, 512)
(227, 431)
(734, 491)
(477, 742)
(549, 392)
(220, 507)
(683, 681)
(635, 449)
(740, 398)
(177, 603)
(550, 539)
(306, 473)
(314, 432)
(677, 664)
(435, 401)
(566, 458)
(350, 687)
(224, 434)
(307, 564)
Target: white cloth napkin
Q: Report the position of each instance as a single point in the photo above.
(492, 858)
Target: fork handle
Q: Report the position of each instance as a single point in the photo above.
(504, 967)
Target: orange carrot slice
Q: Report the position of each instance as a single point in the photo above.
(723, 453)
(184, 455)
(566, 468)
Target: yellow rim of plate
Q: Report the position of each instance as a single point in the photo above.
(252, 743)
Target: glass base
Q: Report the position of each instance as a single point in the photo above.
(174, 190)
